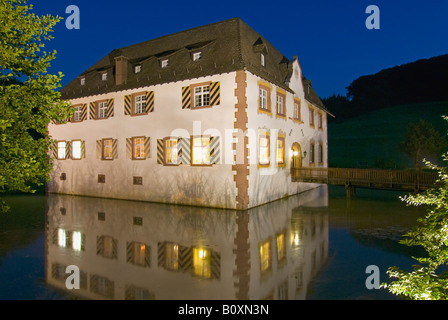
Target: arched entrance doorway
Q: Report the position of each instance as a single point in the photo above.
(296, 160)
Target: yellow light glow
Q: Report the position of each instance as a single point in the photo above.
(76, 241)
(296, 153)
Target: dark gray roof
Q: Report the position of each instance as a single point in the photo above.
(226, 46)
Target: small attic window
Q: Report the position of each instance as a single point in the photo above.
(263, 59)
(138, 68)
(164, 63)
(82, 81)
(104, 76)
(197, 56)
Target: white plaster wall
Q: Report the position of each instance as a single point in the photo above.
(184, 184)
(268, 184)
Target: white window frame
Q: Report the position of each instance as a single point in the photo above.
(171, 151)
(76, 149)
(197, 56)
(62, 146)
(138, 68)
(296, 110)
(102, 109)
(139, 104)
(280, 110)
(200, 152)
(263, 99)
(82, 81)
(138, 147)
(263, 59)
(77, 113)
(201, 96)
(107, 149)
(104, 76)
(164, 63)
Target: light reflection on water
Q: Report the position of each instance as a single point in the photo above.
(309, 246)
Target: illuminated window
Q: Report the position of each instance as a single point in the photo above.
(265, 256)
(281, 247)
(107, 149)
(76, 149)
(77, 241)
(104, 76)
(82, 81)
(62, 238)
(202, 262)
(102, 110)
(202, 96)
(140, 104)
(172, 256)
(171, 151)
(108, 247)
(200, 150)
(138, 147)
(280, 150)
(138, 69)
(139, 253)
(263, 156)
(61, 150)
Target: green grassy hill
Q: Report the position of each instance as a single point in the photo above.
(372, 139)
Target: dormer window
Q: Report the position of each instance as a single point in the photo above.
(164, 63)
(263, 59)
(197, 56)
(82, 81)
(104, 76)
(138, 68)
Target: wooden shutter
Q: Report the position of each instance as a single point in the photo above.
(147, 147)
(114, 149)
(129, 150)
(110, 108)
(84, 112)
(83, 149)
(160, 152)
(127, 104)
(215, 96)
(161, 256)
(215, 265)
(68, 149)
(54, 149)
(186, 97)
(185, 258)
(215, 150)
(149, 101)
(99, 149)
(92, 110)
(184, 150)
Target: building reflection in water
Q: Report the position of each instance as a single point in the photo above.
(138, 250)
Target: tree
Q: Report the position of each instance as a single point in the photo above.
(28, 97)
(426, 281)
(421, 141)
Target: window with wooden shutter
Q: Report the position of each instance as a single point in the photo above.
(138, 253)
(77, 149)
(109, 149)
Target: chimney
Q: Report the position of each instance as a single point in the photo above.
(121, 69)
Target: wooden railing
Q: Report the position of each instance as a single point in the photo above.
(367, 178)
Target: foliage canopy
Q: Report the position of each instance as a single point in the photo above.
(426, 281)
(28, 97)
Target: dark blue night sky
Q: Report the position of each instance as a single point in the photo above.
(330, 38)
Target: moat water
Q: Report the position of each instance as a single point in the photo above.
(313, 246)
